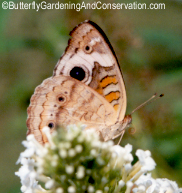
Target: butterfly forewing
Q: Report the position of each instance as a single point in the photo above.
(90, 50)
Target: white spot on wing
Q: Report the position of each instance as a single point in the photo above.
(111, 88)
(114, 102)
(94, 41)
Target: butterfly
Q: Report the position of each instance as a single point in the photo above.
(87, 87)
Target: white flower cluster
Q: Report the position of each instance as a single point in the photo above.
(36, 161)
(27, 172)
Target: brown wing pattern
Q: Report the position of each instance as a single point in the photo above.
(90, 50)
(63, 101)
(97, 98)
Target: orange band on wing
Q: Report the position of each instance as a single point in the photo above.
(108, 80)
(100, 91)
(112, 96)
(116, 107)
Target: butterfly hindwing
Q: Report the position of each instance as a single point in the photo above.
(63, 101)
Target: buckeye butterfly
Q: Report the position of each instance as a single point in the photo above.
(86, 87)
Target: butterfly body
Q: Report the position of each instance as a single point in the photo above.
(87, 87)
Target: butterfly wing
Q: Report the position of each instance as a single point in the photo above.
(90, 58)
(63, 100)
(97, 98)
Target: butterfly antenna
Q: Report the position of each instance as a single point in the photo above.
(148, 101)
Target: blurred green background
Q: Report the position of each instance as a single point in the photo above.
(148, 44)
